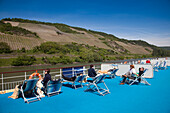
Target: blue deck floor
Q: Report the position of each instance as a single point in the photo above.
(123, 99)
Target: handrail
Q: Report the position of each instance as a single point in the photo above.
(44, 69)
(13, 80)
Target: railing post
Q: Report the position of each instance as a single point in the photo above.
(25, 75)
(84, 72)
(60, 72)
(43, 73)
(2, 83)
(73, 71)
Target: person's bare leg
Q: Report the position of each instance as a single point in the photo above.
(15, 93)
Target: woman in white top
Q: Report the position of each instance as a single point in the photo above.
(129, 74)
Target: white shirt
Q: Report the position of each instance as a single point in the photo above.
(131, 71)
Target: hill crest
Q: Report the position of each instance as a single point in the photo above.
(61, 33)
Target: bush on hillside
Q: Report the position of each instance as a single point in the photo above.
(23, 50)
(65, 28)
(50, 47)
(7, 28)
(4, 47)
(158, 52)
(23, 61)
(61, 59)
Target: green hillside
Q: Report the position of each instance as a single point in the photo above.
(55, 43)
(7, 28)
(166, 47)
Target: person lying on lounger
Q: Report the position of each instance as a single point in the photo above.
(130, 74)
(71, 78)
(106, 71)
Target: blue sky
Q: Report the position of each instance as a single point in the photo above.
(147, 20)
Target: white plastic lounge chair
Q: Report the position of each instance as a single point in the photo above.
(78, 80)
(143, 80)
(54, 87)
(94, 85)
(30, 86)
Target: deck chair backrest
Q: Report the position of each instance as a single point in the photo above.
(30, 84)
(54, 86)
(114, 71)
(156, 64)
(99, 79)
(80, 78)
(164, 65)
(144, 72)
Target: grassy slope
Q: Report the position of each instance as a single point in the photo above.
(166, 47)
(89, 37)
(65, 34)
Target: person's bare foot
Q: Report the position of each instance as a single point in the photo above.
(121, 83)
(13, 97)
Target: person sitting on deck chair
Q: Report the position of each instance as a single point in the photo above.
(129, 74)
(148, 61)
(91, 71)
(141, 71)
(15, 94)
(138, 62)
(46, 79)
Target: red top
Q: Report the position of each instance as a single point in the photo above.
(148, 61)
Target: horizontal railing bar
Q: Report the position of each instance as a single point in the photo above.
(14, 77)
(10, 85)
(12, 82)
(23, 76)
(44, 69)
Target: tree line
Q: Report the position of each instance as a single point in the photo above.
(70, 53)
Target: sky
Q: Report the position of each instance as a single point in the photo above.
(147, 20)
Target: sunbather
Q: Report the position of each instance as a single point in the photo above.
(15, 94)
(106, 71)
(129, 74)
(71, 78)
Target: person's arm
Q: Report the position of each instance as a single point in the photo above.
(45, 79)
(94, 72)
(134, 72)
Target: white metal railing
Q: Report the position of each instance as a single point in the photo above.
(9, 82)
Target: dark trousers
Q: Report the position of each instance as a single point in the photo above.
(125, 77)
